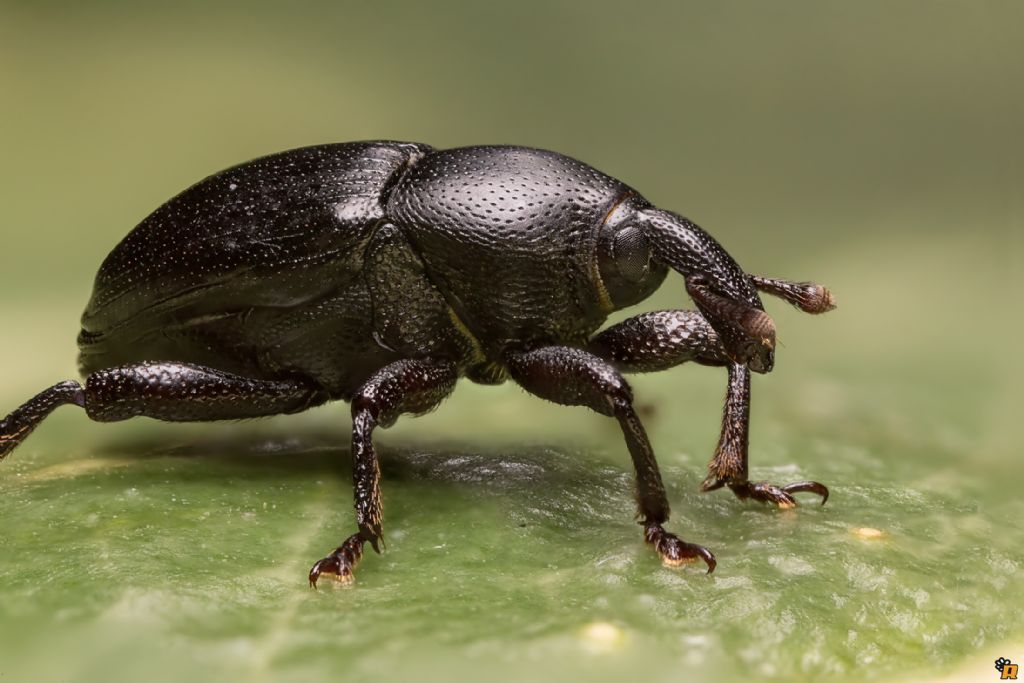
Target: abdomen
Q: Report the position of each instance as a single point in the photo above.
(209, 275)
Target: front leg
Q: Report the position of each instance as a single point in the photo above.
(729, 465)
(659, 340)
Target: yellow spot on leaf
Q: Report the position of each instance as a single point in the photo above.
(868, 533)
(602, 636)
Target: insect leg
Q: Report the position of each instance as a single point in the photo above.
(660, 340)
(19, 424)
(405, 386)
(182, 392)
(572, 376)
(175, 392)
(729, 465)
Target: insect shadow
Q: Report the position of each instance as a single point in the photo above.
(555, 475)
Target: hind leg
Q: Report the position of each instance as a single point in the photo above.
(16, 427)
(174, 392)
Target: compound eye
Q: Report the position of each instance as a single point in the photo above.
(632, 254)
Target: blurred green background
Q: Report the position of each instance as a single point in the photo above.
(875, 147)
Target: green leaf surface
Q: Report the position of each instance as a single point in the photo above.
(182, 551)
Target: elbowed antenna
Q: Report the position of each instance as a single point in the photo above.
(809, 297)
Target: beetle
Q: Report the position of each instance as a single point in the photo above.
(379, 273)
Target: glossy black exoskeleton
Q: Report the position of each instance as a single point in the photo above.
(379, 273)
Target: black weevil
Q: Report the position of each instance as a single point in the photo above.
(379, 273)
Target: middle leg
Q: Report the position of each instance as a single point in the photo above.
(660, 340)
(572, 376)
(405, 386)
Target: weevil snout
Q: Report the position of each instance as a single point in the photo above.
(724, 293)
(748, 333)
(760, 329)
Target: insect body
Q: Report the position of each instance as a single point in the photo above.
(379, 273)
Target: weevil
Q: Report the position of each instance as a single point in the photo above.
(380, 273)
